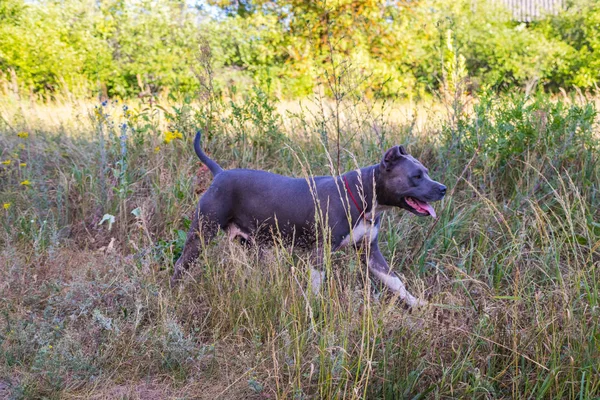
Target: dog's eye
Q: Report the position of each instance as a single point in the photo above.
(418, 176)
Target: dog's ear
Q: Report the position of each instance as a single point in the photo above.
(392, 156)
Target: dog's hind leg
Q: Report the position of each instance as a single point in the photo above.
(201, 228)
(382, 271)
(317, 274)
(316, 280)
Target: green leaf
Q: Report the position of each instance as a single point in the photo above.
(108, 218)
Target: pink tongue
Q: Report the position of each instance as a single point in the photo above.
(429, 209)
(425, 206)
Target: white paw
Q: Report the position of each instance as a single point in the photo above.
(414, 302)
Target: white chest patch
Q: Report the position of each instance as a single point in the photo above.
(363, 231)
(366, 229)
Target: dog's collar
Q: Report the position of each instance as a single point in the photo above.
(362, 212)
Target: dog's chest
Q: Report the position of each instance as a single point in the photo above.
(365, 231)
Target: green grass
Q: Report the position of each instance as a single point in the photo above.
(511, 267)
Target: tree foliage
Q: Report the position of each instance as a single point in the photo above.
(127, 47)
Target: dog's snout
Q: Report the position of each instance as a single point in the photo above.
(442, 190)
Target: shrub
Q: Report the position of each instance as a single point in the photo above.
(509, 131)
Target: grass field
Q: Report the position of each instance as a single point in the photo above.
(96, 204)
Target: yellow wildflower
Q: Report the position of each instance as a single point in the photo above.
(171, 135)
(23, 164)
(6, 162)
(157, 149)
(50, 346)
(23, 135)
(6, 206)
(21, 146)
(26, 182)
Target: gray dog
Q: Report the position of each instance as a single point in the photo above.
(256, 205)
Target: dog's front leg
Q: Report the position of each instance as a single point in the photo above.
(317, 274)
(382, 271)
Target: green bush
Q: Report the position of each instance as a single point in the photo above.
(577, 30)
(512, 131)
(125, 47)
(500, 53)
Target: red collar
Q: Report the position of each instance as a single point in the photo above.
(362, 212)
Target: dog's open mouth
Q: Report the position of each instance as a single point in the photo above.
(421, 207)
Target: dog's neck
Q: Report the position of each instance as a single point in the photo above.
(366, 182)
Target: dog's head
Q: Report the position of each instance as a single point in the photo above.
(404, 182)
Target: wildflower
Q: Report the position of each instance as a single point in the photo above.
(104, 103)
(23, 135)
(21, 146)
(6, 206)
(26, 182)
(50, 346)
(171, 135)
(6, 162)
(125, 108)
(123, 140)
(157, 149)
(23, 164)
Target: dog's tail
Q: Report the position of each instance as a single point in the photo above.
(212, 165)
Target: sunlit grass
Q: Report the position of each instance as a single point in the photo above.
(511, 268)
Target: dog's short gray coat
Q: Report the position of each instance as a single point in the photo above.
(255, 205)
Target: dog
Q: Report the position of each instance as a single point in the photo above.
(256, 205)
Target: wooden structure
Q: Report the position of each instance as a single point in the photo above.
(530, 10)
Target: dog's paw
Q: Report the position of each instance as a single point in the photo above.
(418, 304)
(175, 279)
(415, 303)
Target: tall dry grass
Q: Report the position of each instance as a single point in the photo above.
(511, 267)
